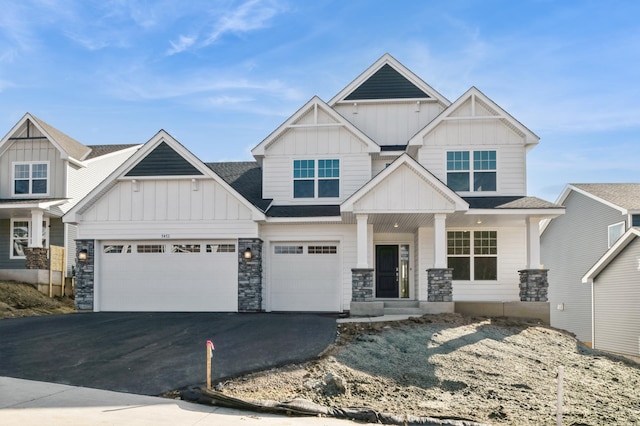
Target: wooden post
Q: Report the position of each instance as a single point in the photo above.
(210, 349)
(560, 396)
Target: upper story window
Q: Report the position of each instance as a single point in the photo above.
(320, 182)
(635, 220)
(31, 178)
(465, 175)
(475, 257)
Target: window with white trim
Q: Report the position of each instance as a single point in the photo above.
(221, 248)
(21, 234)
(320, 182)
(185, 248)
(288, 250)
(475, 257)
(117, 248)
(322, 249)
(31, 178)
(615, 231)
(465, 175)
(150, 248)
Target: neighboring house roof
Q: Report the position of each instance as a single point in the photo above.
(513, 202)
(100, 150)
(304, 211)
(245, 177)
(623, 195)
(611, 254)
(68, 144)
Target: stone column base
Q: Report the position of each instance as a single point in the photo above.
(440, 285)
(534, 285)
(361, 285)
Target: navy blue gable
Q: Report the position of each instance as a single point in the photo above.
(164, 161)
(386, 83)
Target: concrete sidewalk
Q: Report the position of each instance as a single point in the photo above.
(25, 403)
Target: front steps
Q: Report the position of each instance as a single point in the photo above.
(402, 307)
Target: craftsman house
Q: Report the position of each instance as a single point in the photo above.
(607, 211)
(43, 173)
(388, 196)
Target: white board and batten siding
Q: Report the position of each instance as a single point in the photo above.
(40, 150)
(478, 135)
(511, 258)
(314, 143)
(177, 275)
(174, 208)
(616, 303)
(304, 281)
(390, 123)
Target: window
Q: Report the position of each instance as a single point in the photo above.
(635, 220)
(117, 248)
(20, 235)
(288, 250)
(185, 248)
(477, 257)
(615, 231)
(221, 248)
(307, 183)
(322, 249)
(30, 178)
(465, 175)
(150, 248)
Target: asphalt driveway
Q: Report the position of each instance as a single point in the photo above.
(151, 353)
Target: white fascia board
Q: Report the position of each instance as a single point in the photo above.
(610, 254)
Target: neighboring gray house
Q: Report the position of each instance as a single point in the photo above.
(43, 173)
(615, 284)
(597, 215)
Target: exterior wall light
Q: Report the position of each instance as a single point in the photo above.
(247, 254)
(82, 255)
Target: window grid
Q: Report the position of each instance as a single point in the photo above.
(150, 248)
(118, 248)
(303, 169)
(288, 250)
(478, 176)
(459, 243)
(221, 248)
(322, 249)
(477, 258)
(30, 178)
(484, 160)
(485, 242)
(458, 160)
(185, 248)
(323, 183)
(328, 168)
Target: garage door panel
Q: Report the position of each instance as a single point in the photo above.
(304, 279)
(178, 281)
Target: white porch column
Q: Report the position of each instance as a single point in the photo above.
(439, 241)
(362, 239)
(533, 243)
(36, 228)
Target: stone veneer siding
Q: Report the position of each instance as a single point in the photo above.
(36, 258)
(361, 285)
(250, 275)
(440, 285)
(85, 275)
(534, 285)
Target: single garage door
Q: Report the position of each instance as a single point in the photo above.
(305, 277)
(168, 276)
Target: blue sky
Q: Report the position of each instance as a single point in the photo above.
(220, 75)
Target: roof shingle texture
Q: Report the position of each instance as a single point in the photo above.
(625, 195)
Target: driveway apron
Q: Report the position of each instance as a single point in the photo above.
(152, 353)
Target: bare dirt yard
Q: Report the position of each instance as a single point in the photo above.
(496, 371)
(23, 300)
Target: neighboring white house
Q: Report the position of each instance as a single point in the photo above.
(43, 173)
(614, 282)
(387, 193)
(596, 216)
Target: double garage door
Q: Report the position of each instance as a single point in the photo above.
(305, 276)
(168, 276)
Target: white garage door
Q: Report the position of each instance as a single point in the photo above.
(305, 277)
(168, 276)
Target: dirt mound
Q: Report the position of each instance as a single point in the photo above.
(23, 300)
(493, 371)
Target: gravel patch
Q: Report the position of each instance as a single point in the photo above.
(498, 371)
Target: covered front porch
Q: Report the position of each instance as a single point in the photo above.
(421, 248)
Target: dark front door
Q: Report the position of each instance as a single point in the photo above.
(387, 271)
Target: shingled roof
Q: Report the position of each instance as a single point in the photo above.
(71, 146)
(514, 202)
(100, 150)
(245, 177)
(624, 195)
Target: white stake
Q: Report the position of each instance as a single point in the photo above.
(560, 392)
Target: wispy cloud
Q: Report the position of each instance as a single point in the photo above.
(249, 16)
